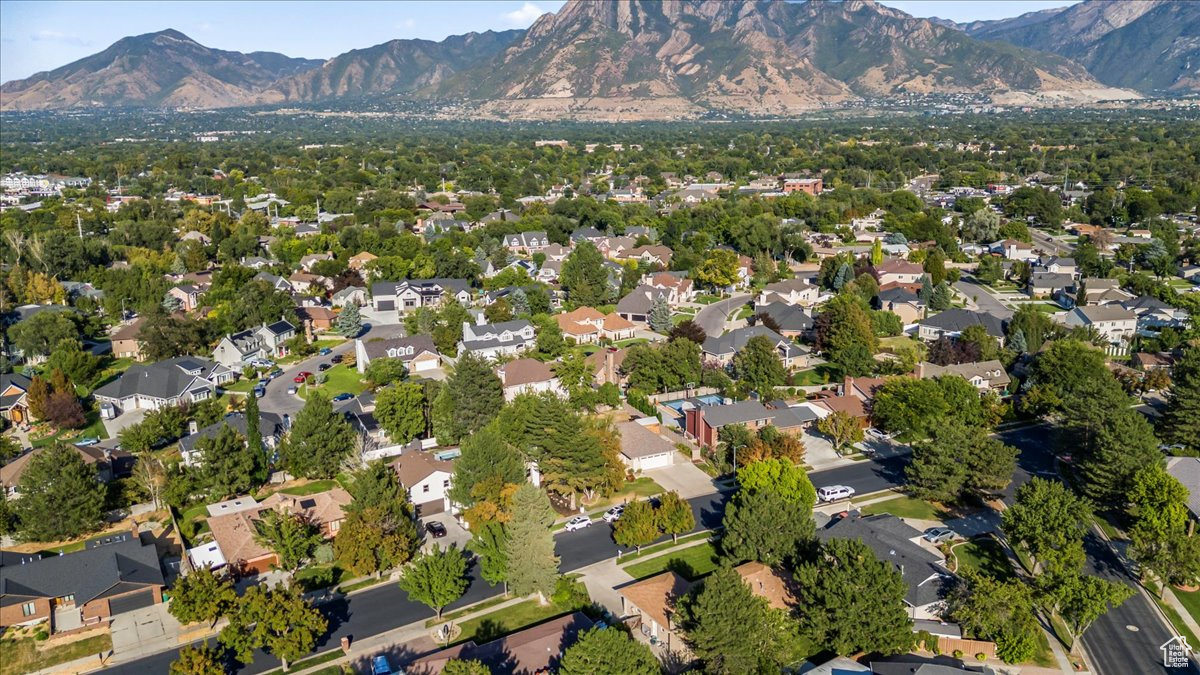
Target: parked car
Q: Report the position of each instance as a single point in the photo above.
(614, 514)
(274, 374)
(292, 391)
(90, 440)
(938, 535)
(301, 377)
(325, 351)
(833, 493)
(879, 435)
(337, 358)
(260, 391)
(344, 396)
(323, 367)
(578, 523)
(436, 529)
(380, 666)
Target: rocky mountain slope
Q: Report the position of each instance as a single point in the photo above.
(158, 69)
(1150, 45)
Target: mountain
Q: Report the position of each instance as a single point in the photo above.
(157, 69)
(639, 57)
(395, 67)
(1150, 45)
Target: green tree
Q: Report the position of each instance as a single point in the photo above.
(1033, 325)
(38, 334)
(61, 497)
(349, 322)
(765, 527)
(490, 543)
(200, 659)
(1001, 611)
(638, 525)
(1049, 522)
(960, 461)
(841, 428)
(372, 540)
(675, 515)
(226, 467)
(384, 371)
(202, 595)
(319, 441)
(468, 667)
(660, 315)
(254, 440)
(845, 334)
(400, 409)
(935, 267)
(877, 252)
(584, 276)
(941, 298)
(532, 565)
(276, 619)
(1159, 535)
(1088, 598)
(485, 456)
(780, 476)
(77, 364)
(1180, 423)
(291, 536)
(846, 579)
(758, 366)
(472, 397)
(719, 269)
(436, 578)
(604, 651)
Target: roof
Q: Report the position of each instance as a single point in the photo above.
(165, 379)
(735, 340)
(280, 327)
(637, 441)
(891, 540)
(897, 266)
(791, 417)
(403, 348)
(957, 319)
(640, 299)
(1055, 279)
(129, 331)
(413, 467)
(768, 583)
(788, 317)
(533, 650)
(789, 286)
(100, 571)
(993, 371)
(596, 360)
(235, 532)
(614, 322)
(898, 294)
(581, 314)
(385, 288)
(735, 413)
(10, 474)
(316, 313)
(8, 380)
(524, 371)
(1186, 470)
(1094, 313)
(657, 595)
(269, 424)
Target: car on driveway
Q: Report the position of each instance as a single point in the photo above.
(578, 523)
(938, 535)
(614, 514)
(833, 493)
(344, 396)
(380, 665)
(301, 377)
(436, 529)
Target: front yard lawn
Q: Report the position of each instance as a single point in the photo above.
(690, 563)
(1190, 602)
(338, 380)
(822, 374)
(21, 655)
(569, 596)
(906, 507)
(986, 555)
(94, 429)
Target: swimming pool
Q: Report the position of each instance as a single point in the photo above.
(678, 405)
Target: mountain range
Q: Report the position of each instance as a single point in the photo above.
(651, 59)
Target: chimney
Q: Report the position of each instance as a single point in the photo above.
(133, 528)
(193, 427)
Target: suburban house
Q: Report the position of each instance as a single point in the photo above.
(789, 292)
(266, 341)
(983, 375)
(897, 271)
(405, 296)
(702, 423)
(893, 541)
(903, 303)
(587, 326)
(655, 254)
(233, 532)
(350, 295)
(79, 589)
(360, 413)
(14, 402)
(316, 319)
(1112, 322)
(311, 259)
(679, 288)
(427, 480)
(183, 379)
(724, 347)
(614, 247)
(1046, 284)
(109, 462)
(187, 295)
(271, 428)
(1098, 291)
(528, 376)
(309, 284)
(126, 340)
(418, 353)
(1014, 250)
(642, 447)
(526, 242)
(491, 340)
(278, 283)
(636, 306)
(537, 649)
(854, 397)
(812, 186)
(1187, 471)
(1056, 265)
(953, 322)
(1153, 315)
(358, 261)
(793, 320)
(556, 252)
(605, 366)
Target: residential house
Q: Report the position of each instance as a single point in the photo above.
(724, 347)
(983, 375)
(271, 428)
(1186, 470)
(14, 401)
(703, 423)
(497, 339)
(639, 231)
(1047, 284)
(648, 255)
(427, 480)
(789, 292)
(678, 286)
(193, 235)
(501, 216)
(588, 326)
(792, 320)
(79, 589)
(234, 533)
(586, 234)
(1014, 250)
(605, 366)
(1056, 265)
(897, 271)
(187, 295)
(636, 306)
(812, 186)
(309, 284)
(549, 271)
(350, 295)
(953, 322)
(903, 303)
(317, 319)
(268, 340)
(537, 649)
(642, 447)
(255, 262)
(652, 603)
(1099, 292)
(405, 296)
(854, 397)
(277, 283)
(417, 352)
(1153, 315)
(358, 262)
(183, 379)
(528, 376)
(614, 247)
(307, 229)
(526, 242)
(1147, 361)
(893, 541)
(360, 413)
(109, 462)
(1112, 322)
(556, 252)
(126, 340)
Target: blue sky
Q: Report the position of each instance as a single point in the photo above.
(43, 35)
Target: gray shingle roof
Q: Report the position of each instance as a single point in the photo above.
(735, 340)
(89, 574)
(165, 379)
(378, 349)
(957, 320)
(735, 413)
(269, 424)
(8, 379)
(789, 317)
(890, 539)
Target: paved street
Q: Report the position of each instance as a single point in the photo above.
(986, 301)
(712, 317)
(1050, 244)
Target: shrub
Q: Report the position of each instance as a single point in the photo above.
(41, 635)
(981, 656)
(958, 653)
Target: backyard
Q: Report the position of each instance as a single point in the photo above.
(983, 554)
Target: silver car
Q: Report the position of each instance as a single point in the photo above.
(939, 535)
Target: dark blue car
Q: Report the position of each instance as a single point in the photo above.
(344, 396)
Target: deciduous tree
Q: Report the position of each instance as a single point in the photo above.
(436, 578)
(202, 595)
(841, 428)
(758, 366)
(605, 651)
(400, 409)
(675, 515)
(292, 537)
(275, 619)
(200, 659)
(638, 525)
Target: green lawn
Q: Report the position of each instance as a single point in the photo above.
(310, 488)
(242, 386)
(745, 312)
(1181, 628)
(906, 507)
(651, 550)
(1176, 282)
(631, 342)
(691, 563)
(570, 596)
(1190, 602)
(984, 555)
(640, 487)
(331, 655)
(822, 374)
(707, 299)
(94, 429)
(22, 656)
(338, 379)
(319, 576)
(1046, 307)
(1044, 657)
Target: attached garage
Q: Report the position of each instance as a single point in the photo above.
(425, 363)
(131, 602)
(641, 446)
(385, 305)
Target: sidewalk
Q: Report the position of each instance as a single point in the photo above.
(1174, 603)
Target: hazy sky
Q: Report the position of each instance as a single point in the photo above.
(43, 35)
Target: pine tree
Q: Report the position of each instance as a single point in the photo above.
(61, 497)
(941, 298)
(226, 467)
(319, 440)
(765, 527)
(400, 409)
(1180, 424)
(532, 565)
(731, 629)
(1016, 342)
(349, 322)
(877, 252)
(436, 578)
(519, 302)
(490, 543)
(660, 315)
(926, 291)
(473, 397)
(845, 275)
(254, 440)
(485, 456)
(757, 365)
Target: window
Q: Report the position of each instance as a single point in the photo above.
(28, 609)
(446, 483)
(67, 599)
(425, 487)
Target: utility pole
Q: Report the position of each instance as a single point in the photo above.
(79, 224)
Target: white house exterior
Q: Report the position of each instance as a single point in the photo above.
(418, 353)
(184, 379)
(528, 376)
(492, 340)
(427, 480)
(405, 296)
(1112, 322)
(264, 342)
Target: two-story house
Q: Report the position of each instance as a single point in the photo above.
(586, 325)
(1114, 323)
(724, 347)
(679, 288)
(897, 271)
(266, 341)
(492, 340)
(789, 292)
(405, 296)
(528, 376)
(417, 352)
(526, 242)
(271, 428)
(983, 375)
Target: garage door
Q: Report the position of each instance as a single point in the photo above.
(656, 461)
(128, 603)
(385, 305)
(421, 365)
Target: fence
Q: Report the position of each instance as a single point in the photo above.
(969, 648)
(676, 395)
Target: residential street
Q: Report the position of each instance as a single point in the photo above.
(278, 401)
(986, 301)
(712, 317)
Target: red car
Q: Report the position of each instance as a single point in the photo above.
(304, 375)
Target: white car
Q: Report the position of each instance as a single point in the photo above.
(578, 523)
(834, 493)
(614, 514)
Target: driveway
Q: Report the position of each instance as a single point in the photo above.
(985, 300)
(456, 534)
(984, 521)
(123, 421)
(143, 631)
(819, 452)
(683, 477)
(713, 317)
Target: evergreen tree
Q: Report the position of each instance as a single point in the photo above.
(519, 302)
(275, 619)
(472, 397)
(935, 266)
(758, 366)
(1016, 342)
(226, 466)
(942, 298)
(926, 292)
(675, 515)
(877, 253)
(202, 595)
(660, 315)
(490, 543)
(532, 565)
(436, 578)
(400, 409)
(319, 441)
(61, 497)
(1180, 423)
(846, 335)
(254, 441)
(765, 527)
(485, 456)
(638, 525)
(846, 580)
(960, 461)
(584, 276)
(349, 322)
(38, 395)
(603, 651)
(845, 275)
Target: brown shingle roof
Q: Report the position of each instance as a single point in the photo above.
(524, 371)
(657, 595)
(234, 532)
(768, 583)
(413, 467)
